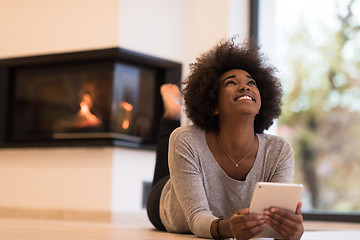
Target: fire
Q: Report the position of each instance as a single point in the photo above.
(128, 108)
(82, 119)
(125, 124)
(87, 118)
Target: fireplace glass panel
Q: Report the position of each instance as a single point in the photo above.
(83, 100)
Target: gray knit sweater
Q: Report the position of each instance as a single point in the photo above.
(199, 191)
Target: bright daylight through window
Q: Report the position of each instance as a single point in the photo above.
(316, 48)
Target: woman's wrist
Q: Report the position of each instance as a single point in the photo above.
(214, 228)
(225, 228)
(220, 228)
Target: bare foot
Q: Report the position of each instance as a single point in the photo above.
(170, 94)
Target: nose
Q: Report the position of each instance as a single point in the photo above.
(244, 88)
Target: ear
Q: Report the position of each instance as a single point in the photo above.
(216, 111)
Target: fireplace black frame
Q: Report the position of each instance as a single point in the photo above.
(166, 72)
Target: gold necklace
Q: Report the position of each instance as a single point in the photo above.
(222, 147)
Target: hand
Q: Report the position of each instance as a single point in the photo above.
(245, 225)
(285, 222)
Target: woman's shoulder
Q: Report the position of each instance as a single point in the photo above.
(187, 131)
(273, 140)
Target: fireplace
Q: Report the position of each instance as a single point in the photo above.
(99, 97)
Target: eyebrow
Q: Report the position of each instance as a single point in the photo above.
(232, 76)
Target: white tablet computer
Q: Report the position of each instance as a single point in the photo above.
(268, 194)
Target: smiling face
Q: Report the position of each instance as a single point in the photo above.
(238, 93)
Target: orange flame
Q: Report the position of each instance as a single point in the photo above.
(87, 117)
(128, 108)
(125, 124)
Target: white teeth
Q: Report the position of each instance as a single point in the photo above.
(245, 98)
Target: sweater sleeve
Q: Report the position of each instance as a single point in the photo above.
(187, 181)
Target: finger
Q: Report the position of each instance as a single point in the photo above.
(246, 223)
(298, 208)
(285, 226)
(257, 229)
(236, 219)
(253, 224)
(279, 226)
(243, 211)
(284, 213)
(247, 233)
(286, 217)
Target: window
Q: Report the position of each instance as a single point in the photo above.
(316, 47)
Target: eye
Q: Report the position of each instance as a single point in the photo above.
(252, 82)
(230, 82)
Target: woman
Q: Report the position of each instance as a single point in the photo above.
(231, 96)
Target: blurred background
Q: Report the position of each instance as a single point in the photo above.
(316, 47)
(314, 44)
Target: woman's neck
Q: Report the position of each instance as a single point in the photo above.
(236, 133)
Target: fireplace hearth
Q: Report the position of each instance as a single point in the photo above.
(104, 97)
